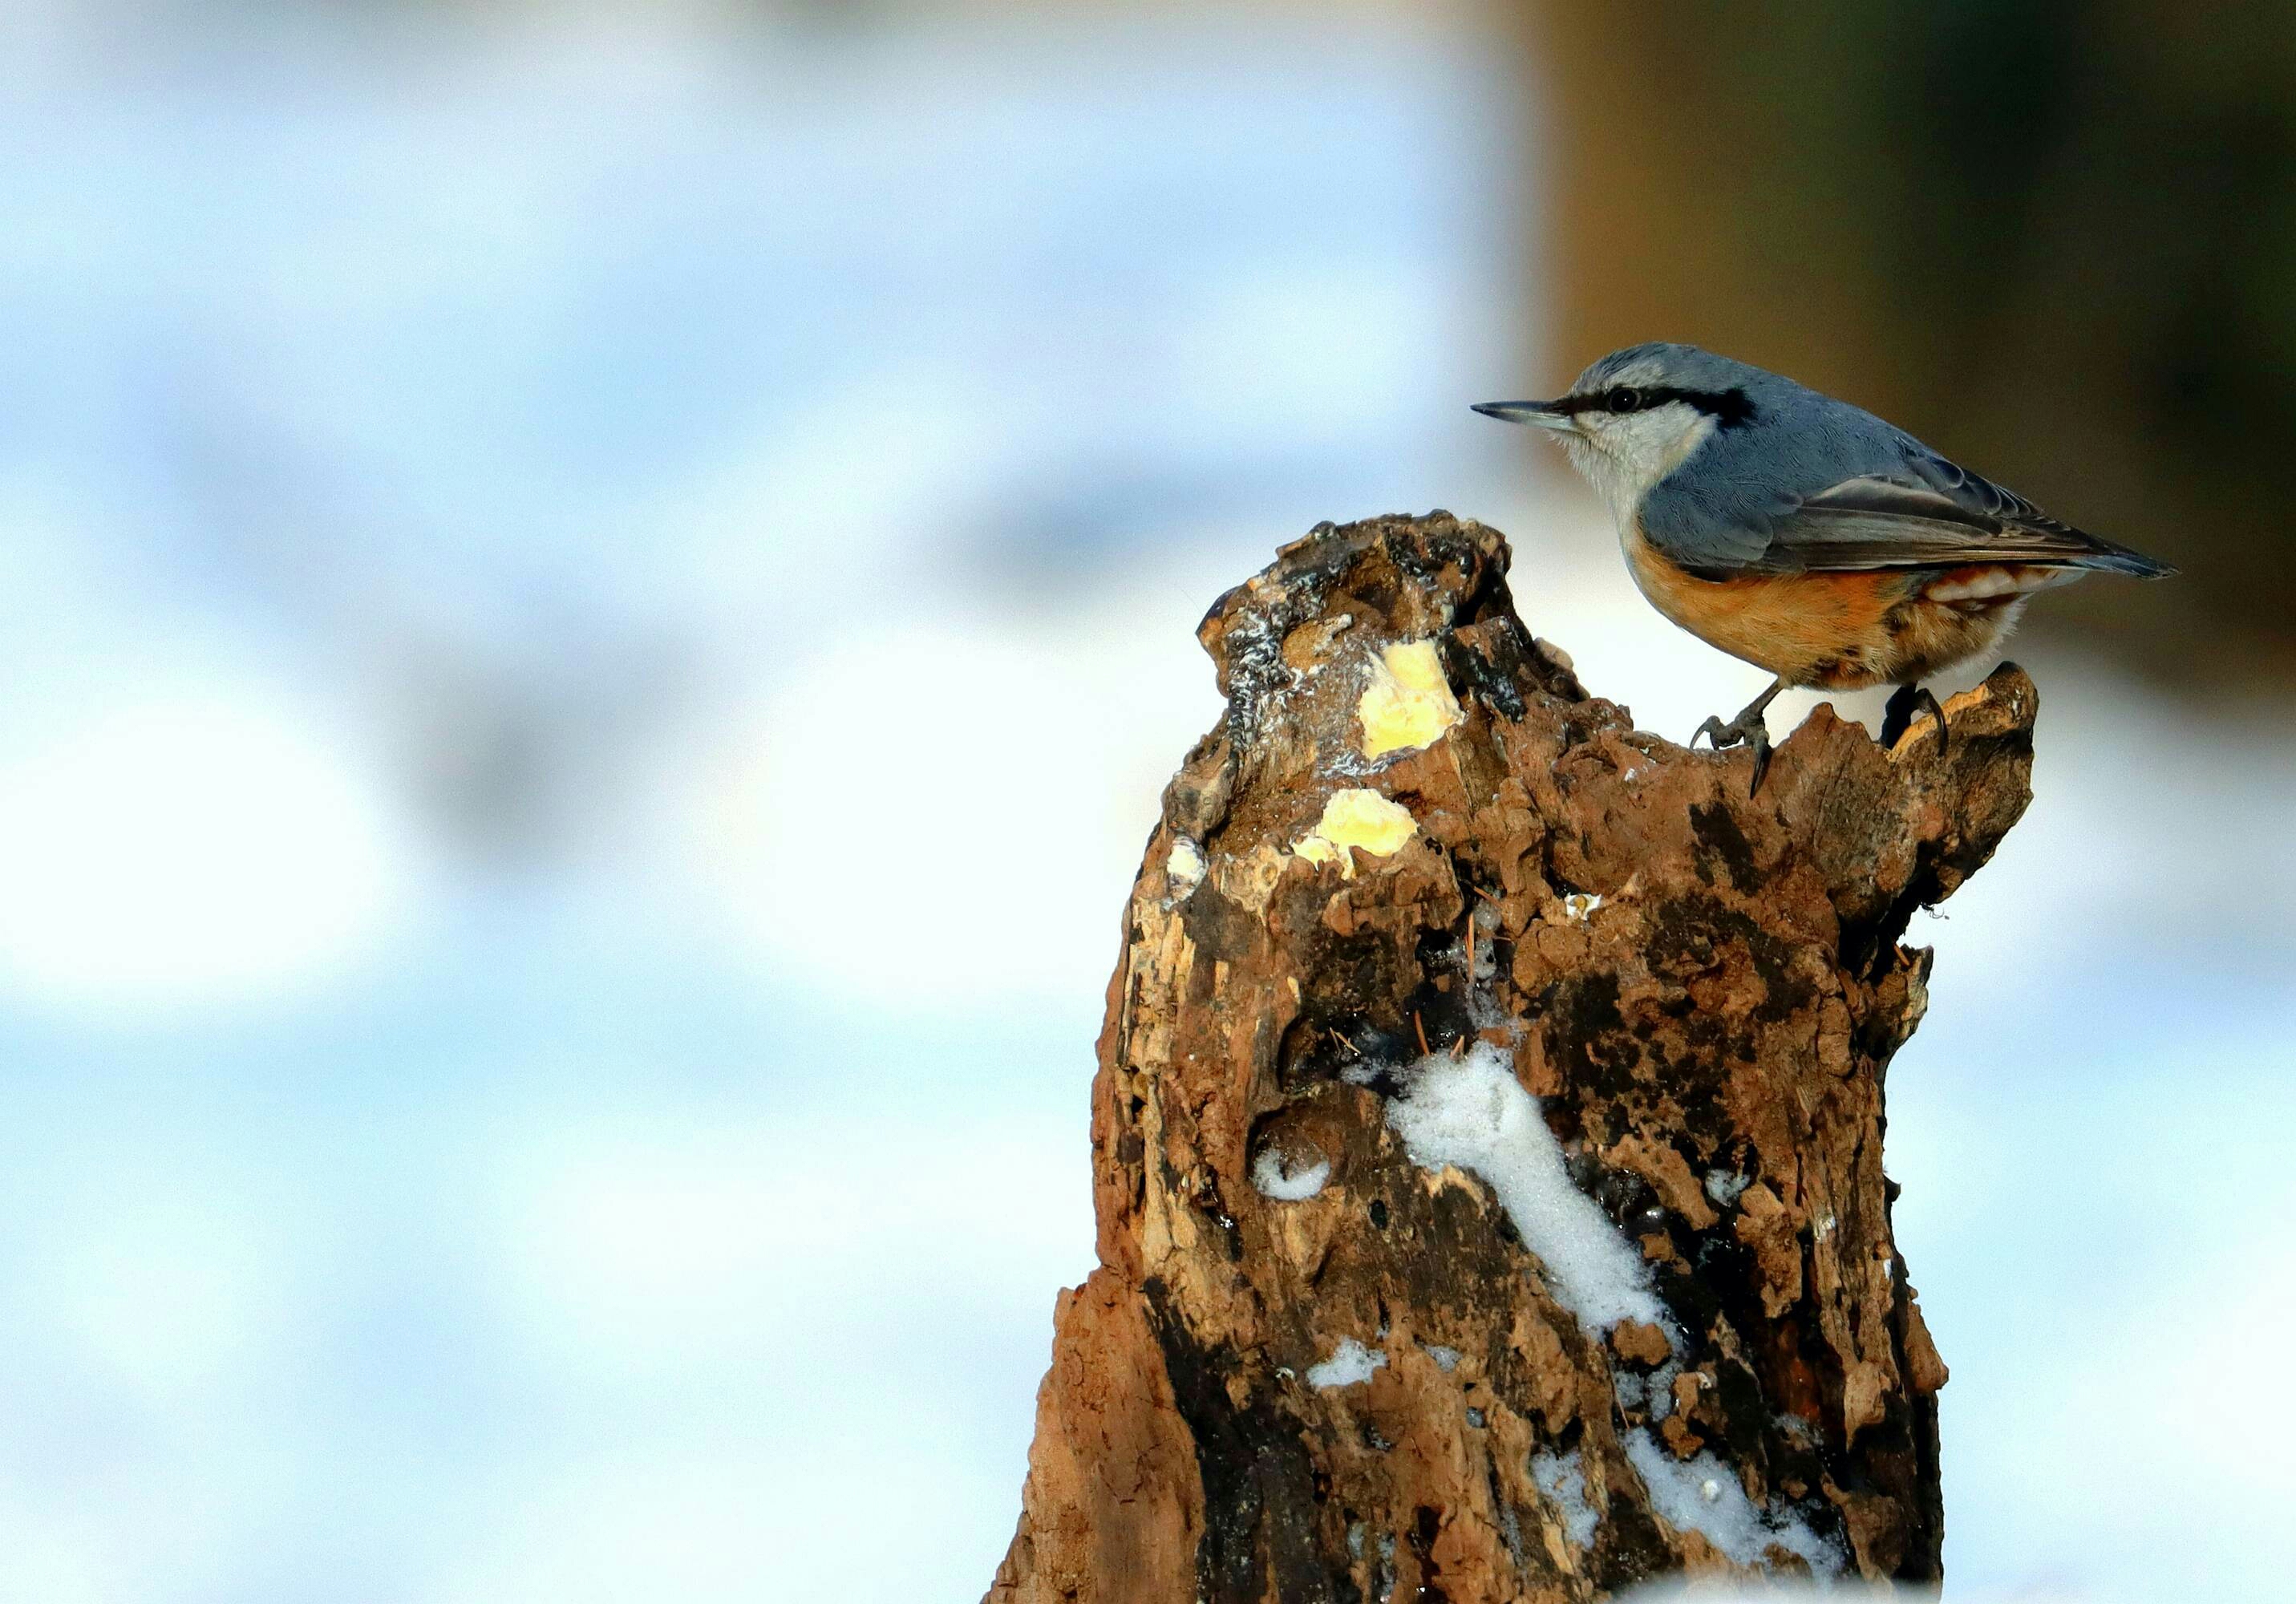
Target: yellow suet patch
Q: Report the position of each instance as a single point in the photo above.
(1356, 817)
(1408, 703)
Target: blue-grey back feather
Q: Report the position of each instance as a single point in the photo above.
(1805, 482)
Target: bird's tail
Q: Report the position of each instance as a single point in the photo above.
(2111, 559)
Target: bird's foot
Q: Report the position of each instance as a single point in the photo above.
(1897, 717)
(1747, 730)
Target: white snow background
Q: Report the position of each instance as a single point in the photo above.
(526, 532)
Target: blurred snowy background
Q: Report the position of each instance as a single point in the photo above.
(523, 528)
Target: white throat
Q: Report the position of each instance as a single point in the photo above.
(1625, 458)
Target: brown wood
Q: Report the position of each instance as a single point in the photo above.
(1703, 991)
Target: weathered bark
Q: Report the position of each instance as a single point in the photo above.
(1703, 991)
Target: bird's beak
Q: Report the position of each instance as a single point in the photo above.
(1539, 414)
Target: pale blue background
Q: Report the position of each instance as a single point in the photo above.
(526, 533)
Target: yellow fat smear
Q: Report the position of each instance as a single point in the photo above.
(1408, 702)
(1356, 817)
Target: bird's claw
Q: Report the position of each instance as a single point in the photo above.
(1747, 730)
(1897, 717)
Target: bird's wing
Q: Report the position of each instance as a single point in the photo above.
(1830, 488)
(1934, 515)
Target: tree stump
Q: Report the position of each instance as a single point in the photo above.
(1487, 1137)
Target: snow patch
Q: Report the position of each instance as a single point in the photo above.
(1659, 1389)
(1724, 1186)
(1473, 1112)
(1272, 1177)
(1703, 1494)
(1350, 1362)
(1563, 1479)
(1447, 1359)
(1482, 945)
(1184, 868)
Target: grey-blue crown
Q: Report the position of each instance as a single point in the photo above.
(1678, 366)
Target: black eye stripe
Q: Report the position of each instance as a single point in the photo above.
(1729, 407)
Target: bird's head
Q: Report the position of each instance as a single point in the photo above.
(1635, 416)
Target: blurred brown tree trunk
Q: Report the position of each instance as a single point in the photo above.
(1317, 1364)
(2031, 234)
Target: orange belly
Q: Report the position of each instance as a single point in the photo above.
(1841, 632)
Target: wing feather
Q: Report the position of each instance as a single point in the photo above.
(1873, 522)
(1810, 484)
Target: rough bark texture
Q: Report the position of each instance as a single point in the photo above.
(1703, 991)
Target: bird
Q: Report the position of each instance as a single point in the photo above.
(1804, 534)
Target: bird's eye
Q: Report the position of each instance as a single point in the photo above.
(1625, 398)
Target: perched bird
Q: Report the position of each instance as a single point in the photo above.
(1803, 535)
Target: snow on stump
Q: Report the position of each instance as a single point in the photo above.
(1487, 1139)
